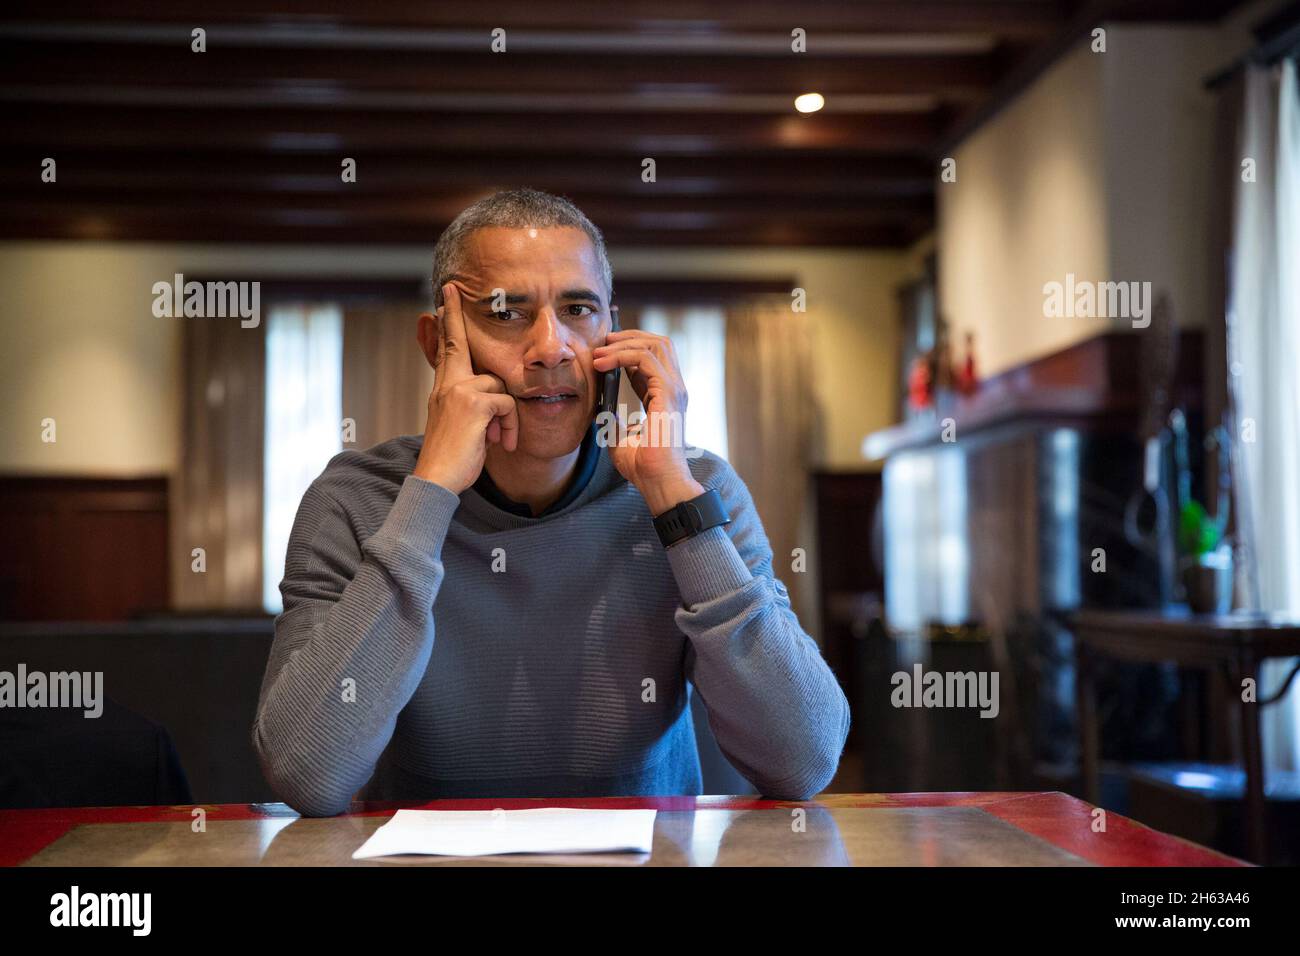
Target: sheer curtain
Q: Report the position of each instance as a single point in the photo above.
(773, 429)
(304, 412)
(1264, 364)
(217, 490)
(386, 378)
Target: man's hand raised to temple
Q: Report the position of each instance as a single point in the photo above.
(466, 411)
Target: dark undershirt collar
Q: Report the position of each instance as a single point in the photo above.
(586, 467)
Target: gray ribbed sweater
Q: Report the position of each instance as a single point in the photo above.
(405, 664)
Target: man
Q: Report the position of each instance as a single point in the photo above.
(493, 610)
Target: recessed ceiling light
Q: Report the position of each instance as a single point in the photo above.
(809, 102)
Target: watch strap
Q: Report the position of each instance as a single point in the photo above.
(690, 518)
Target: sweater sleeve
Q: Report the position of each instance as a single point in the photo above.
(774, 705)
(352, 643)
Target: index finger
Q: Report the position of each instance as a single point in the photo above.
(455, 340)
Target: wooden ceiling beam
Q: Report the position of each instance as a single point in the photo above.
(351, 131)
(174, 171)
(161, 226)
(93, 67)
(1027, 18)
(650, 211)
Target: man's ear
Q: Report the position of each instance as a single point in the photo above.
(429, 333)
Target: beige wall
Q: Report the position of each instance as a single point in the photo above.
(1101, 169)
(82, 346)
(1028, 206)
(1159, 123)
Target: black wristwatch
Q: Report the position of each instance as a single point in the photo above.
(689, 518)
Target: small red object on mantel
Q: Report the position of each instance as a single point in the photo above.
(920, 384)
(967, 381)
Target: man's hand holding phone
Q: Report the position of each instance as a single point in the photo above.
(652, 458)
(466, 411)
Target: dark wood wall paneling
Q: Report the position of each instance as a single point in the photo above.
(82, 548)
(851, 580)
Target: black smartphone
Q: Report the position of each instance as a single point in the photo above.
(609, 381)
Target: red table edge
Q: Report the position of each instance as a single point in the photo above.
(1124, 842)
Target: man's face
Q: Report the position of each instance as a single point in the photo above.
(538, 336)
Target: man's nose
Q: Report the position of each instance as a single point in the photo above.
(548, 344)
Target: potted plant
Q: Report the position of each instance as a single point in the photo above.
(1207, 560)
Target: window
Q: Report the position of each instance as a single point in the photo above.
(304, 411)
(699, 335)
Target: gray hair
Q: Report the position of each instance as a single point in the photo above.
(512, 209)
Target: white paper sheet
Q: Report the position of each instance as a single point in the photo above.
(485, 832)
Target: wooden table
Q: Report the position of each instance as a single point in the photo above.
(1236, 644)
(914, 829)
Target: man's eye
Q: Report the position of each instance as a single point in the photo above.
(502, 316)
(587, 307)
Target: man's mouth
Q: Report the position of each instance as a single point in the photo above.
(549, 396)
